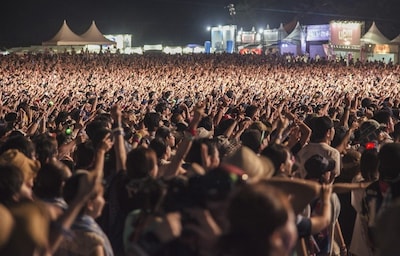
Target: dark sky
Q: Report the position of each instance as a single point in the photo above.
(29, 22)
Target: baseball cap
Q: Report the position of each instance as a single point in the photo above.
(321, 123)
(369, 131)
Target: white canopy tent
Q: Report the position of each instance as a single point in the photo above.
(65, 36)
(295, 36)
(396, 40)
(94, 36)
(374, 36)
(282, 32)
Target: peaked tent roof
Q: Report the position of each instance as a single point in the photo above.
(396, 40)
(94, 36)
(65, 36)
(295, 36)
(282, 32)
(374, 36)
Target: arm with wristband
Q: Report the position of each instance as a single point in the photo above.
(119, 145)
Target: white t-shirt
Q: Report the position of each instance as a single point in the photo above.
(322, 149)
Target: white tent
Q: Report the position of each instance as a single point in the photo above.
(94, 36)
(374, 36)
(395, 48)
(295, 36)
(396, 40)
(282, 32)
(65, 36)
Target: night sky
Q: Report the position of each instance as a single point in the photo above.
(179, 22)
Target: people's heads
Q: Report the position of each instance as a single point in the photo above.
(369, 164)
(322, 129)
(366, 102)
(152, 121)
(262, 126)
(224, 125)
(97, 130)
(319, 168)
(163, 151)
(205, 153)
(389, 155)
(177, 118)
(350, 165)
(61, 118)
(141, 163)
(46, 148)
(99, 137)
(261, 221)
(385, 117)
(280, 157)
(340, 133)
(27, 166)
(251, 111)
(218, 183)
(166, 95)
(50, 180)
(12, 186)
(252, 138)
(166, 134)
(161, 107)
(104, 118)
(369, 131)
(84, 155)
(10, 118)
(21, 143)
(152, 94)
(226, 146)
(94, 205)
(207, 123)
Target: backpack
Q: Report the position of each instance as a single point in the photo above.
(377, 198)
(370, 208)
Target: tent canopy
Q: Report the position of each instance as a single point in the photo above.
(65, 36)
(374, 36)
(396, 40)
(94, 36)
(295, 36)
(282, 32)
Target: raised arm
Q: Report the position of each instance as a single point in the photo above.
(87, 186)
(104, 147)
(117, 132)
(323, 220)
(184, 146)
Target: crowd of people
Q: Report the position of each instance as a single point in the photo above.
(203, 154)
